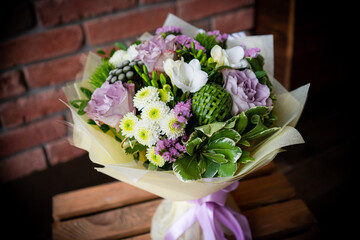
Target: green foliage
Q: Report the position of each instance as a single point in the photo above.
(211, 104)
(100, 74)
(81, 104)
(187, 168)
(219, 148)
(134, 147)
(208, 42)
(191, 53)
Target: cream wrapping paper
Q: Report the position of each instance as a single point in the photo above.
(105, 150)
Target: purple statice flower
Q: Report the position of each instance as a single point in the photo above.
(110, 102)
(169, 149)
(156, 50)
(251, 52)
(185, 40)
(169, 29)
(183, 111)
(181, 148)
(245, 89)
(219, 37)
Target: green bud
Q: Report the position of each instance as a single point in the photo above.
(167, 87)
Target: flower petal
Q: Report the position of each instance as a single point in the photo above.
(235, 55)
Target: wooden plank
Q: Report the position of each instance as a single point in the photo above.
(140, 237)
(108, 196)
(309, 234)
(118, 223)
(263, 190)
(113, 224)
(279, 219)
(270, 221)
(98, 198)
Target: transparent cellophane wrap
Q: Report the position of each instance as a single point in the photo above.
(105, 150)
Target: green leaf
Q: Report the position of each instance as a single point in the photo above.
(242, 123)
(210, 129)
(227, 169)
(202, 164)
(221, 143)
(100, 74)
(257, 63)
(120, 45)
(259, 74)
(245, 157)
(101, 52)
(259, 110)
(104, 128)
(82, 106)
(76, 103)
(186, 168)
(259, 130)
(218, 158)
(136, 147)
(192, 145)
(244, 142)
(152, 167)
(112, 52)
(231, 155)
(91, 122)
(229, 133)
(262, 133)
(211, 168)
(87, 92)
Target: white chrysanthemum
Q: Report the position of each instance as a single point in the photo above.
(145, 96)
(154, 158)
(146, 133)
(155, 111)
(168, 126)
(127, 124)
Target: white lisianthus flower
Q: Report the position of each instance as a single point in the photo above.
(186, 76)
(233, 57)
(121, 55)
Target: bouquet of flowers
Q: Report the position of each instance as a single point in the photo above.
(183, 113)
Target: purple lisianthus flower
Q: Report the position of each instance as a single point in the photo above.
(110, 103)
(185, 40)
(245, 90)
(155, 51)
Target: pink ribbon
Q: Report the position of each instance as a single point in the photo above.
(210, 211)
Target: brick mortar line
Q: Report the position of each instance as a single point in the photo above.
(31, 122)
(39, 28)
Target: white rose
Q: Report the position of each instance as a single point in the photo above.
(233, 57)
(121, 55)
(186, 76)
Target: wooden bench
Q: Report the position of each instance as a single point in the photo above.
(120, 211)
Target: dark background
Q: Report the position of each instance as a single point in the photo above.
(322, 170)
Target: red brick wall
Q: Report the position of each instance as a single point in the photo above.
(42, 47)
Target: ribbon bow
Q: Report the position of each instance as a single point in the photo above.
(210, 211)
